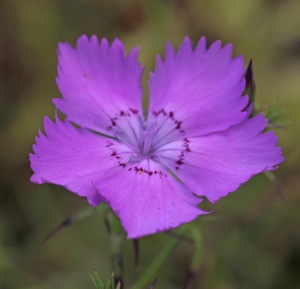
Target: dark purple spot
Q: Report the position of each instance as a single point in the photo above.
(178, 124)
(161, 111)
(134, 111)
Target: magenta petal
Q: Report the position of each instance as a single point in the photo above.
(98, 83)
(73, 158)
(147, 199)
(216, 164)
(200, 88)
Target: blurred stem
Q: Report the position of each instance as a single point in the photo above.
(117, 257)
(148, 276)
(197, 238)
(117, 239)
(197, 254)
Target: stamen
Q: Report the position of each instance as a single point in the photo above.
(147, 145)
(144, 139)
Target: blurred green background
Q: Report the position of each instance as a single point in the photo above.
(253, 238)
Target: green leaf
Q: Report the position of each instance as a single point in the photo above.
(99, 284)
(81, 215)
(275, 114)
(96, 280)
(111, 283)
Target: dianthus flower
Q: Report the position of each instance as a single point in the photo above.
(196, 140)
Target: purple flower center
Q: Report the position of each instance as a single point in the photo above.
(145, 139)
(140, 139)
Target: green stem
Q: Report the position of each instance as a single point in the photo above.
(197, 238)
(117, 239)
(148, 276)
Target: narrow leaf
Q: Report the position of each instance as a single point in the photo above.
(153, 268)
(96, 280)
(81, 215)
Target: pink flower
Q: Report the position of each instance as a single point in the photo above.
(196, 127)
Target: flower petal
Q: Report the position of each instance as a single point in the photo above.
(147, 199)
(74, 158)
(197, 92)
(217, 164)
(98, 83)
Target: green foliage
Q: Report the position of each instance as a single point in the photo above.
(100, 285)
(275, 115)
